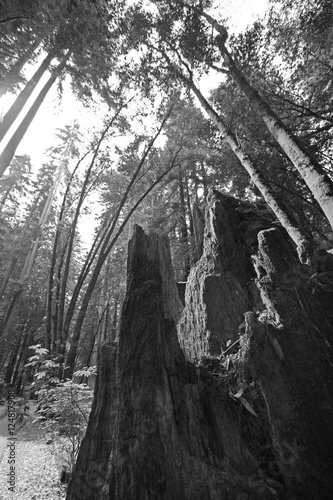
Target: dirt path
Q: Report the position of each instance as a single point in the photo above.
(36, 473)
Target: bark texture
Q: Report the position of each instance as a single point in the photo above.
(221, 285)
(160, 427)
(285, 343)
(291, 359)
(13, 143)
(253, 423)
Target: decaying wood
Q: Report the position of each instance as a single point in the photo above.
(221, 285)
(175, 418)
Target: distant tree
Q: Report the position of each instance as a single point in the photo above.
(9, 150)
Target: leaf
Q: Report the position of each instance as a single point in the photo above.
(278, 349)
(248, 406)
(239, 393)
(50, 364)
(33, 358)
(34, 346)
(227, 365)
(42, 350)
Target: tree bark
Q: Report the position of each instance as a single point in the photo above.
(284, 346)
(26, 270)
(48, 326)
(183, 227)
(24, 95)
(254, 422)
(13, 75)
(303, 244)
(10, 149)
(156, 430)
(319, 183)
(107, 246)
(65, 274)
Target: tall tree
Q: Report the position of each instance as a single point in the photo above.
(109, 239)
(25, 273)
(180, 29)
(12, 78)
(311, 171)
(10, 148)
(22, 98)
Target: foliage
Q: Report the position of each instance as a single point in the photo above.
(64, 411)
(63, 407)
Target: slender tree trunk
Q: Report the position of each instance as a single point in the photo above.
(106, 249)
(188, 205)
(52, 320)
(49, 302)
(19, 373)
(10, 316)
(48, 326)
(13, 75)
(63, 322)
(204, 178)
(24, 95)
(192, 245)
(311, 171)
(8, 321)
(64, 279)
(106, 325)
(53, 300)
(282, 213)
(7, 276)
(15, 356)
(10, 149)
(183, 227)
(79, 284)
(94, 339)
(14, 262)
(114, 324)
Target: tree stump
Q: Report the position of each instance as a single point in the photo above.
(251, 422)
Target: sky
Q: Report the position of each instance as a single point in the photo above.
(54, 114)
(57, 113)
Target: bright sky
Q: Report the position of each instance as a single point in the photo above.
(55, 113)
(242, 13)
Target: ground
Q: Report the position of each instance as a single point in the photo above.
(36, 472)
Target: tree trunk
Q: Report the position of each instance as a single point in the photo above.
(24, 95)
(65, 274)
(183, 228)
(63, 320)
(114, 323)
(9, 150)
(107, 246)
(198, 229)
(13, 75)
(150, 402)
(48, 326)
(281, 211)
(10, 316)
(16, 356)
(252, 423)
(319, 183)
(204, 178)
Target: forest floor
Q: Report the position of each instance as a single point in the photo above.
(36, 471)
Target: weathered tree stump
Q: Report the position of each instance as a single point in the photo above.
(252, 423)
